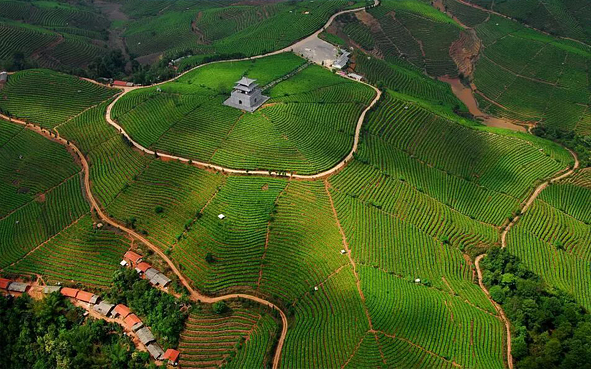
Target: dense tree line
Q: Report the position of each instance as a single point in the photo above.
(53, 333)
(162, 312)
(549, 328)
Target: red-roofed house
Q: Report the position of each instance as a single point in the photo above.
(133, 322)
(69, 292)
(4, 283)
(172, 356)
(121, 310)
(132, 257)
(142, 267)
(87, 297)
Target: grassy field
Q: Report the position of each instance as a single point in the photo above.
(307, 125)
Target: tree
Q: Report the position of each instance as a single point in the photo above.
(497, 294)
(219, 307)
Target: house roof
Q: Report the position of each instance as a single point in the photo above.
(4, 283)
(160, 279)
(245, 81)
(18, 287)
(145, 335)
(85, 296)
(133, 257)
(69, 292)
(119, 83)
(131, 320)
(172, 355)
(143, 266)
(104, 307)
(50, 289)
(155, 350)
(150, 273)
(122, 310)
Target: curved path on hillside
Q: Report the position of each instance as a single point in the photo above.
(526, 204)
(94, 204)
(205, 165)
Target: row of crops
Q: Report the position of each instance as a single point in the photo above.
(80, 253)
(307, 126)
(240, 337)
(564, 18)
(51, 34)
(413, 31)
(49, 98)
(446, 326)
(489, 160)
(212, 27)
(553, 236)
(517, 61)
(30, 165)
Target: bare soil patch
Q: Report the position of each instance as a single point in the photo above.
(464, 52)
(111, 10)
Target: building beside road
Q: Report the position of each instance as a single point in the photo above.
(155, 350)
(172, 356)
(3, 77)
(104, 308)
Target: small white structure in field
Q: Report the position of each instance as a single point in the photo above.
(316, 288)
(246, 95)
(221, 216)
(3, 76)
(343, 251)
(417, 280)
(123, 263)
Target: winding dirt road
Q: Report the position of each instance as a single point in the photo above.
(525, 205)
(205, 165)
(95, 206)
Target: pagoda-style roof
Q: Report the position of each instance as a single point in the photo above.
(246, 81)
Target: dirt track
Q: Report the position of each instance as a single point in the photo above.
(340, 165)
(526, 204)
(194, 294)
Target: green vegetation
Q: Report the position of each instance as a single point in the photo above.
(570, 18)
(549, 329)
(162, 312)
(241, 337)
(552, 238)
(54, 333)
(49, 98)
(306, 126)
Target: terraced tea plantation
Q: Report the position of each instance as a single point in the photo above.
(373, 263)
(307, 126)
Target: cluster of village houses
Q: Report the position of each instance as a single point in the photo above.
(131, 321)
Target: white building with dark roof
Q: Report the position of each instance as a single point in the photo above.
(3, 76)
(247, 95)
